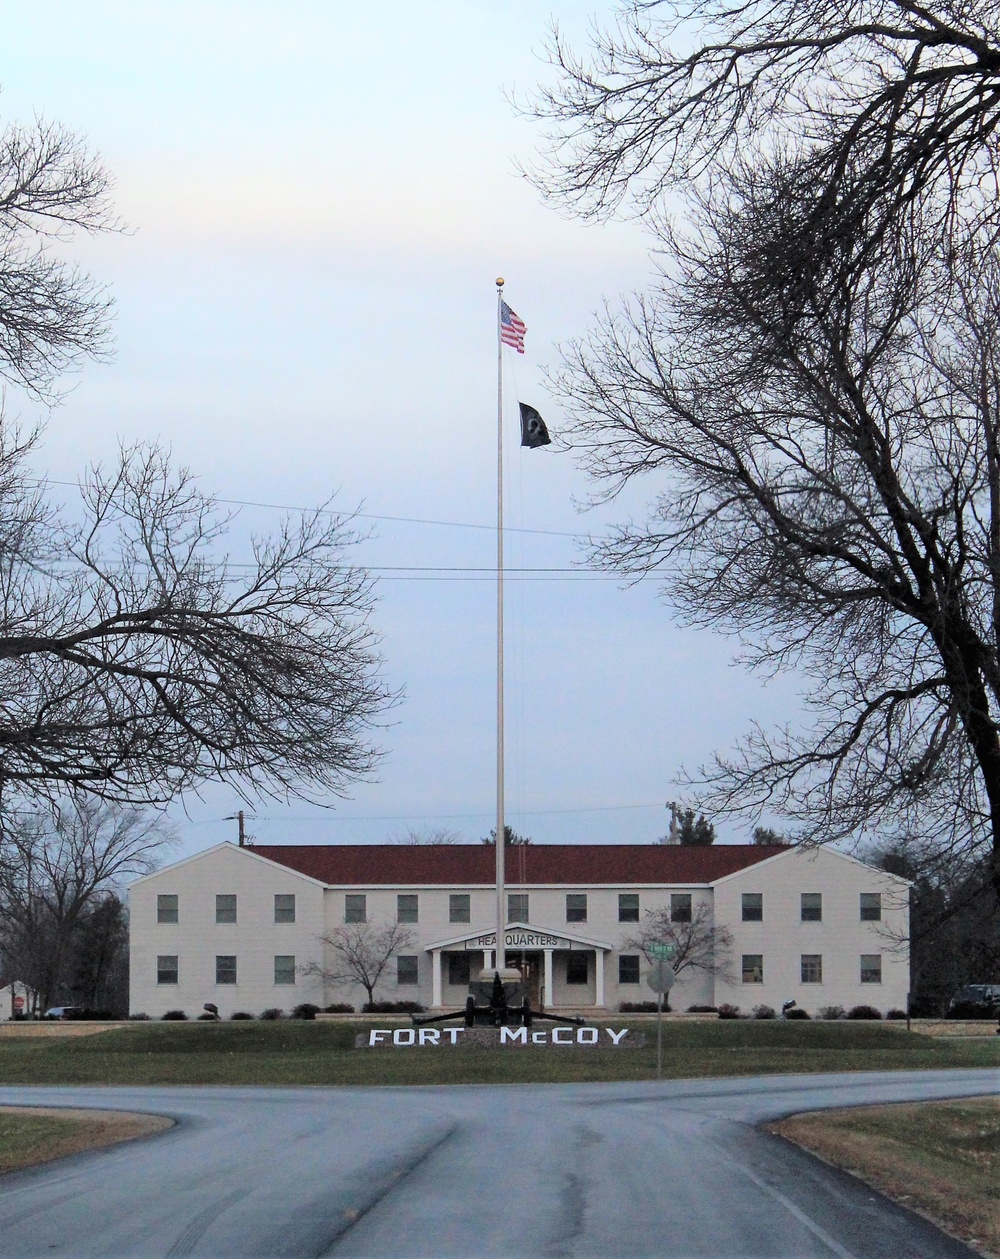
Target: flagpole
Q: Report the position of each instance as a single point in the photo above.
(500, 958)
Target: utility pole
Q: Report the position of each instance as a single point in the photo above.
(239, 819)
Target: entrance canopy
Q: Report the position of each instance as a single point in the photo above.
(520, 935)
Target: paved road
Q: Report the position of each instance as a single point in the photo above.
(654, 1169)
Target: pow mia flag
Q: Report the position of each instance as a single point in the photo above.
(533, 430)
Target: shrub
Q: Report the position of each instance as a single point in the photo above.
(727, 1011)
(271, 1013)
(207, 1018)
(763, 1012)
(305, 1011)
(831, 1012)
(97, 1016)
(391, 1007)
(896, 1014)
(972, 1010)
(175, 1016)
(703, 1009)
(641, 1007)
(139, 1018)
(796, 1013)
(338, 1007)
(240, 1016)
(863, 1012)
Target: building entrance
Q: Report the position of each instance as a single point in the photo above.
(530, 966)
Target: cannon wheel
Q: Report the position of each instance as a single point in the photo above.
(470, 1011)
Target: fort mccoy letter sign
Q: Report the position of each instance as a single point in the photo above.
(502, 1037)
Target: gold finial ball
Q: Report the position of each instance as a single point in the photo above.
(499, 281)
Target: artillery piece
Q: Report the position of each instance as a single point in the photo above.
(497, 1004)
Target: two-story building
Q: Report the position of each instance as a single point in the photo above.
(257, 927)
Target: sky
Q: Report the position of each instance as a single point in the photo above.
(318, 198)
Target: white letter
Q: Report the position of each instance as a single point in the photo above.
(558, 1040)
(519, 1035)
(430, 1036)
(453, 1033)
(617, 1036)
(374, 1038)
(587, 1035)
(538, 1038)
(404, 1036)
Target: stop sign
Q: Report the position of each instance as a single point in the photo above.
(18, 1003)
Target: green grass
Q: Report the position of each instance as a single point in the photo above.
(324, 1053)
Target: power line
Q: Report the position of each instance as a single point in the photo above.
(431, 817)
(365, 515)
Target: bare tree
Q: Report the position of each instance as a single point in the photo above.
(58, 870)
(431, 836)
(137, 660)
(881, 104)
(699, 944)
(51, 314)
(360, 953)
(830, 491)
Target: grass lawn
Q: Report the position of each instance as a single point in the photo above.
(323, 1053)
(940, 1157)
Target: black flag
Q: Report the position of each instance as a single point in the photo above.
(533, 430)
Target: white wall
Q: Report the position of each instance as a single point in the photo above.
(840, 939)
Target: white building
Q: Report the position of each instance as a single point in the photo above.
(241, 927)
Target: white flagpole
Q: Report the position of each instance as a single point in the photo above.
(500, 958)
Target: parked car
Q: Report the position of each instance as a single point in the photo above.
(64, 1012)
(976, 1000)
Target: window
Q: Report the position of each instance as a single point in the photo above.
(406, 970)
(459, 969)
(753, 968)
(871, 968)
(576, 967)
(459, 907)
(225, 969)
(753, 907)
(628, 907)
(871, 906)
(811, 906)
(284, 907)
(517, 907)
(225, 908)
(576, 910)
(166, 969)
(166, 909)
(406, 907)
(811, 968)
(355, 907)
(628, 968)
(680, 907)
(284, 968)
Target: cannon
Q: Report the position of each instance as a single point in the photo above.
(496, 1004)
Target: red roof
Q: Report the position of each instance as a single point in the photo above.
(465, 865)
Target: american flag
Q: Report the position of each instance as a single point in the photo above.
(512, 328)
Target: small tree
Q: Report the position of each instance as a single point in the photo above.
(764, 835)
(360, 953)
(699, 944)
(696, 832)
(510, 836)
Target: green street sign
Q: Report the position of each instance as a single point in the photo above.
(664, 951)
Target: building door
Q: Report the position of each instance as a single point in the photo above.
(530, 966)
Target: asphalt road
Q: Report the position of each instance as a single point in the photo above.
(656, 1169)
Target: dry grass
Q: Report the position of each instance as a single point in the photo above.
(32, 1134)
(940, 1158)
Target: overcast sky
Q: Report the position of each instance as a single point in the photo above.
(320, 196)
